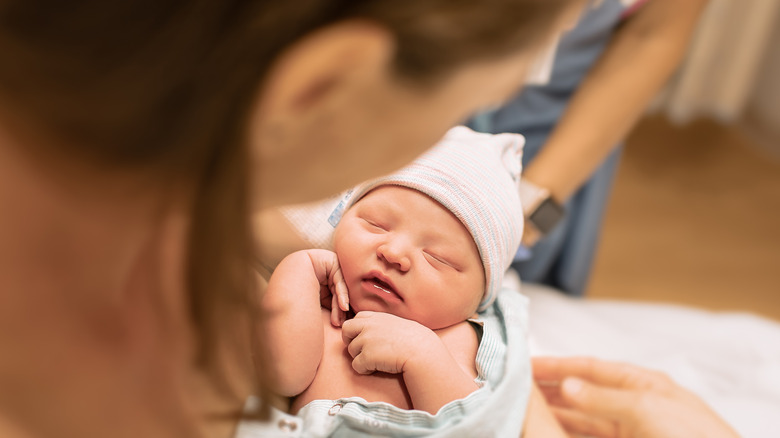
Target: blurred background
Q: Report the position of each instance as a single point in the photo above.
(695, 211)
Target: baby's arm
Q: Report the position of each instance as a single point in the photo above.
(390, 344)
(292, 325)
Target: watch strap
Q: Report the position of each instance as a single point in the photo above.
(541, 211)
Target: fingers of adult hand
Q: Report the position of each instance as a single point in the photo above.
(581, 424)
(551, 393)
(596, 400)
(618, 374)
(530, 237)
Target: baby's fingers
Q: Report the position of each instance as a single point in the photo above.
(362, 365)
(351, 332)
(350, 329)
(340, 290)
(337, 316)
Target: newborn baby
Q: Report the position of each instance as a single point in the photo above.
(415, 256)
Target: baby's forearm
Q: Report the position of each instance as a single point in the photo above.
(435, 379)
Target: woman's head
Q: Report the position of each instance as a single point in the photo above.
(193, 92)
(366, 95)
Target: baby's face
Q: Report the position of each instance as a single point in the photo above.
(403, 253)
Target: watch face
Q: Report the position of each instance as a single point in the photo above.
(546, 215)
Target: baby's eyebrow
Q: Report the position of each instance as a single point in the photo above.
(378, 212)
(443, 240)
(374, 205)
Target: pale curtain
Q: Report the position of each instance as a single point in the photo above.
(717, 77)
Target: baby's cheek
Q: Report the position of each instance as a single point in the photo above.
(470, 298)
(472, 310)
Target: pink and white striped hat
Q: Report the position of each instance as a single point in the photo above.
(475, 176)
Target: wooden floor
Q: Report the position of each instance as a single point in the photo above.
(694, 219)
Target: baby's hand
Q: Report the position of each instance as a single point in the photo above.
(385, 342)
(333, 288)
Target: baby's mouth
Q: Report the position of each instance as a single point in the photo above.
(382, 286)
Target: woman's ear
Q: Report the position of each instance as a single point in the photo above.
(323, 66)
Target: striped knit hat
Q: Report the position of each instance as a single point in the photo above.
(475, 176)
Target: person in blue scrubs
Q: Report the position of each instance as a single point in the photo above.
(606, 70)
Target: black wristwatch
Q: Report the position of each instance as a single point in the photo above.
(540, 209)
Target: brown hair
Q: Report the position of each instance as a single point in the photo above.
(166, 86)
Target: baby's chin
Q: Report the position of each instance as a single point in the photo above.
(365, 305)
(371, 306)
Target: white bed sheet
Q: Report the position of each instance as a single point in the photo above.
(731, 360)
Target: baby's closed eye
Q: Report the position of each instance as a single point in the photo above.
(374, 225)
(437, 259)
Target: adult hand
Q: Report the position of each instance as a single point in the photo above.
(610, 399)
(384, 342)
(530, 235)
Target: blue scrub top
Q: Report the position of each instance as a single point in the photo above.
(563, 259)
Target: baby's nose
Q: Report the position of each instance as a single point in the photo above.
(394, 253)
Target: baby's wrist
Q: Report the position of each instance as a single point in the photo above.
(424, 353)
